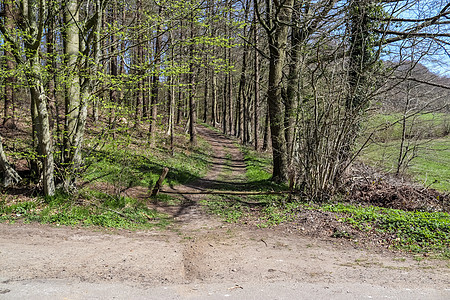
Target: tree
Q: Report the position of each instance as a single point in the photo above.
(10, 81)
(192, 104)
(278, 16)
(155, 80)
(10, 176)
(72, 90)
(256, 84)
(241, 97)
(35, 14)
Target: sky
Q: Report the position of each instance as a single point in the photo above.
(434, 55)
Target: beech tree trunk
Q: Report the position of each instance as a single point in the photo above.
(45, 144)
(10, 176)
(72, 94)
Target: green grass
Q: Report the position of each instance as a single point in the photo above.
(415, 231)
(130, 163)
(426, 125)
(258, 171)
(277, 213)
(114, 164)
(257, 176)
(257, 165)
(429, 131)
(228, 208)
(430, 167)
(93, 209)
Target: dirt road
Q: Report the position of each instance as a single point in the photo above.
(203, 258)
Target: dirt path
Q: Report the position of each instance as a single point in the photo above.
(227, 169)
(203, 258)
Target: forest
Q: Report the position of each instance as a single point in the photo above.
(205, 149)
(301, 79)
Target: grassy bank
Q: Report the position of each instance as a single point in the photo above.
(89, 209)
(115, 165)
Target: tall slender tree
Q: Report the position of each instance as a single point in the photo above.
(10, 15)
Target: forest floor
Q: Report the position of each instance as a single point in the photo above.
(202, 257)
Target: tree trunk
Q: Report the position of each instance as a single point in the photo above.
(88, 83)
(359, 56)
(171, 80)
(34, 162)
(205, 98)
(138, 93)
(99, 51)
(155, 82)
(214, 99)
(33, 13)
(240, 105)
(139, 60)
(292, 93)
(10, 80)
(51, 67)
(179, 106)
(10, 176)
(39, 97)
(113, 68)
(72, 95)
(224, 104)
(230, 98)
(402, 151)
(277, 54)
(256, 87)
(266, 132)
(192, 108)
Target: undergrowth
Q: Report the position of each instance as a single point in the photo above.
(418, 232)
(94, 209)
(429, 168)
(415, 231)
(115, 164)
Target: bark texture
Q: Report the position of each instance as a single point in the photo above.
(10, 176)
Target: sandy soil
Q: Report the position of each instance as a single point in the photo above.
(201, 251)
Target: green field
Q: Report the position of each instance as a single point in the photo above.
(387, 127)
(431, 161)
